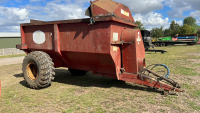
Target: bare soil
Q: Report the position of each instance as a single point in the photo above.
(8, 61)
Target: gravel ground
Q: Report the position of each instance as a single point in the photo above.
(8, 61)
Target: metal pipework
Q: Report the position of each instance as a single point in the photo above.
(175, 84)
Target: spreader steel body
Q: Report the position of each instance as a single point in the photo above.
(106, 43)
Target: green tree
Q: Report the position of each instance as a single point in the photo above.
(157, 32)
(192, 22)
(167, 32)
(198, 33)
(172, 25)
(140, 25)
(187, 29)
(173, 29)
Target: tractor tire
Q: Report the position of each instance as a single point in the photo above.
(38, 70)
(190, 43)
(156, 44)
(162, 44)
(146, 47)
(77, 72)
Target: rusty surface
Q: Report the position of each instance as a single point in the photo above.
(166, 79)
(22, 47)
(87, 20)
(129, 35)
(36, 21)
(110, 47)
(148, 81)
(133, 55)
(109, 7)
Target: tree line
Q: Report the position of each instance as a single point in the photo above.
(189, 27)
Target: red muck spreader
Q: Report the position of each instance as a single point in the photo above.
(106, 43)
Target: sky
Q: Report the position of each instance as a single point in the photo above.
(152, 13)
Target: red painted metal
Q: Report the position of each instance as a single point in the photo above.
(110, 47)
(109, 7)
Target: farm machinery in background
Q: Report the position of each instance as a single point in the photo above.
(189, 39)
(147, 40)
(106, 44)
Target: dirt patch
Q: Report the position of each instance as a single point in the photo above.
(8, 61)
(81, 91)
(194, 61)
(195, 54)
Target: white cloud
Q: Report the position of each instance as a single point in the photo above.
(55, 11)
(179, 6)
(75, 9)
(10, 28)
(13, 13)
(152, 19)
(178, 12)
(12, 17)
(65, 9)
(195, 14)
(142, 6)
(198, 21)
(179, 22)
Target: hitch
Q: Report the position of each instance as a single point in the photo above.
(164, 82)
(150, 78)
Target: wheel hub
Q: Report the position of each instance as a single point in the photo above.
(32, 71)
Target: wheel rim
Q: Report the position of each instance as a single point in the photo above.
(163, 44)
(157, 44)
(32, 71)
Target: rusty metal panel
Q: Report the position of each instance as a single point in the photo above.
(48, 34)
(128, 35)
(85, 38)
(109, 7)
(134, 52)
(147, 81)
(87, 47)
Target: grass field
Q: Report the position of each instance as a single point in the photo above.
(91, 93)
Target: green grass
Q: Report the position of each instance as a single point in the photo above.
(188, 86)
(194, 105)
(186, 71)
(196, 93)
(94, 94)
(10, 56)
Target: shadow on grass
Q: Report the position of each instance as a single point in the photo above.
(23, 83)
(90, 80)
(157, 51)
(19, 75)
